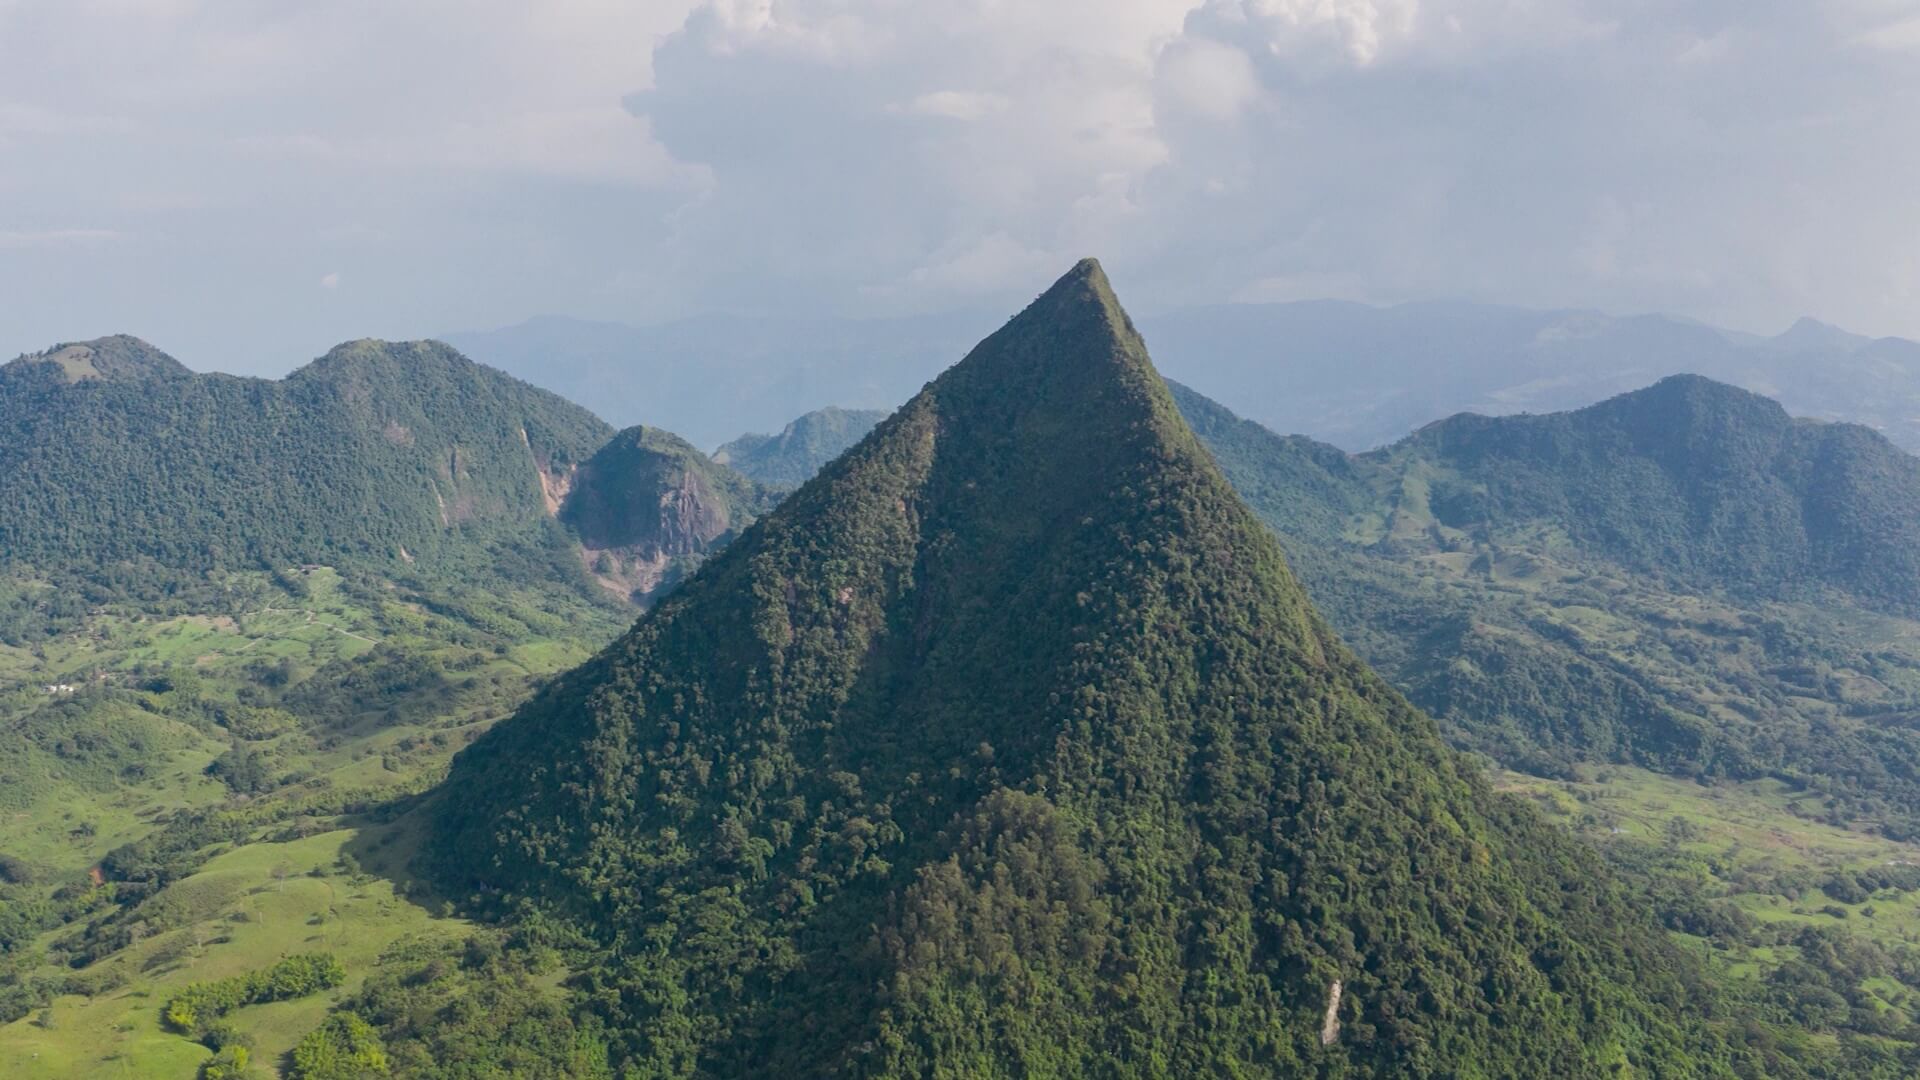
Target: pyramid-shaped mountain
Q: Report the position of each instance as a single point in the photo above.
(1009, 746)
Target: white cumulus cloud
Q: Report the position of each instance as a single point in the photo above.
(1743, 161)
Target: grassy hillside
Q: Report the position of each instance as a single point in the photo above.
(207, 798)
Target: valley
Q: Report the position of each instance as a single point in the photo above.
(282, 718)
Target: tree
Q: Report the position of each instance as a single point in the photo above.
(345, 1047)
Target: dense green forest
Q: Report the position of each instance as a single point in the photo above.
(1691, 481)
(375, 451)
(124, 474)
(1008, 744)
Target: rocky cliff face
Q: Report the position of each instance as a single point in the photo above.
(649, 506)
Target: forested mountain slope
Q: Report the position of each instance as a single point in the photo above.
(802, 448)
(118, 463)
(237, 617)
(376, 450)
(1008, 744)
(1688, 480)
(1682, 577)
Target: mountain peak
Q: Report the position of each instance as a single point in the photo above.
(801, 448)
(1696, 399)
(117, 357)
(648, 505)
(1810, 333)
(1068, 366)
(1082, 292)
(1088, 272)
(368, 353)
(945, 758)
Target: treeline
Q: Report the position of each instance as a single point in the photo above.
(197, 1010)
(344, 1047)
(192, 1010)
(434, 1009)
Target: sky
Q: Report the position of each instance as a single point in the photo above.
(246, 182)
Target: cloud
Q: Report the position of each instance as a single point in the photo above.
(955, 104)
(1316, 31)
(869, 153)
(1741, 161)
(470, 162)
(478, 148)
(20, 118)
(1206, 77)
(487, 85)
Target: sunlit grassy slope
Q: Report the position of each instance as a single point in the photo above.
(351, 693)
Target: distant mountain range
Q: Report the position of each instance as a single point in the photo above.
(712, 378)
(801, 448)
(1360, 377)
(1345, 373)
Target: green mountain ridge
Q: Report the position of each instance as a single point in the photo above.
(1009, 745)
(1692, 480)
(1682, 578)
(802, 448)
(120, 357)
(382, 451)
(405, 457)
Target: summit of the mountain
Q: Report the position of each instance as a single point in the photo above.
(117, 358)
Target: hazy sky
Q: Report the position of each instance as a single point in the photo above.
(245, 182)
